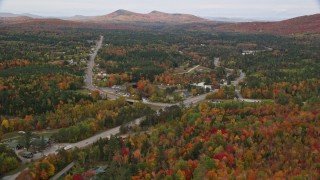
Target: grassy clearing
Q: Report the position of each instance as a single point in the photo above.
(16, 135)
(20, 168)
(11, 135)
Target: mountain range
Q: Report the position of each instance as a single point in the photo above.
(124, 16)
(303, 24)
(121, 16)
(126, 19)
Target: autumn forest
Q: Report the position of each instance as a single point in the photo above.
(161, 102)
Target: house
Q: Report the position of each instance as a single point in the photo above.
(248, 52)
(119, 87)
(72, 62)
(223, 82)
(184, 94)
(203, 85)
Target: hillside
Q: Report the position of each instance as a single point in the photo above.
(15, 19)
(124, 16)
(40, 24)
(19, 15)
(304, 24)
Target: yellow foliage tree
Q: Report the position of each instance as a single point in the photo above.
(43, 174)
(68, 177)
(44, 169)
(5, 124)
(1, 134)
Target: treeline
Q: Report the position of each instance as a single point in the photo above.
(146, 62)
(45, 46)
(8, 160)
(285, 67)
(226, 92)
(37, 89)
(101, 114)
(228, 140)
(105, 119)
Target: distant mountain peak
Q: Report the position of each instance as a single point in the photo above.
(125, 16)
(157, 12)
(128, 17)
(122, 12)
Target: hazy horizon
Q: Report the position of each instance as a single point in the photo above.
(248, 9)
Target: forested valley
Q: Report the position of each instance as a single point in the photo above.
(173, 96)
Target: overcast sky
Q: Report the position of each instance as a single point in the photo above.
(257, 9)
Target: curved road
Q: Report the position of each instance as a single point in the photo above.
(187, 102)
(236, 82)
(195, 67)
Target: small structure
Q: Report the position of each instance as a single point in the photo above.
(185, 94)
(72, 62)
(100, 170)
(119, 87)
(223, 82)
(248, 52)
(203, 85)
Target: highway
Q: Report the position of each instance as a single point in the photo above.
(105, 134)
(89, 72)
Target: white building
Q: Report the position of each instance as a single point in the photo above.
(203, 85)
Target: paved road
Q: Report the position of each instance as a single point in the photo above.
(14, 176)
(187, 102)
(236, 83)
(190, 70)
(116, 130)
(217, 62)
(105, 134)
(89, 72)
(240, 98)
(104, 92)
(63, 171)
(91, 140)
(239, 79)
(81, 144)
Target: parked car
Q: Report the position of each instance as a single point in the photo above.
(18, 147)
(27, 154)
(68, 147)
